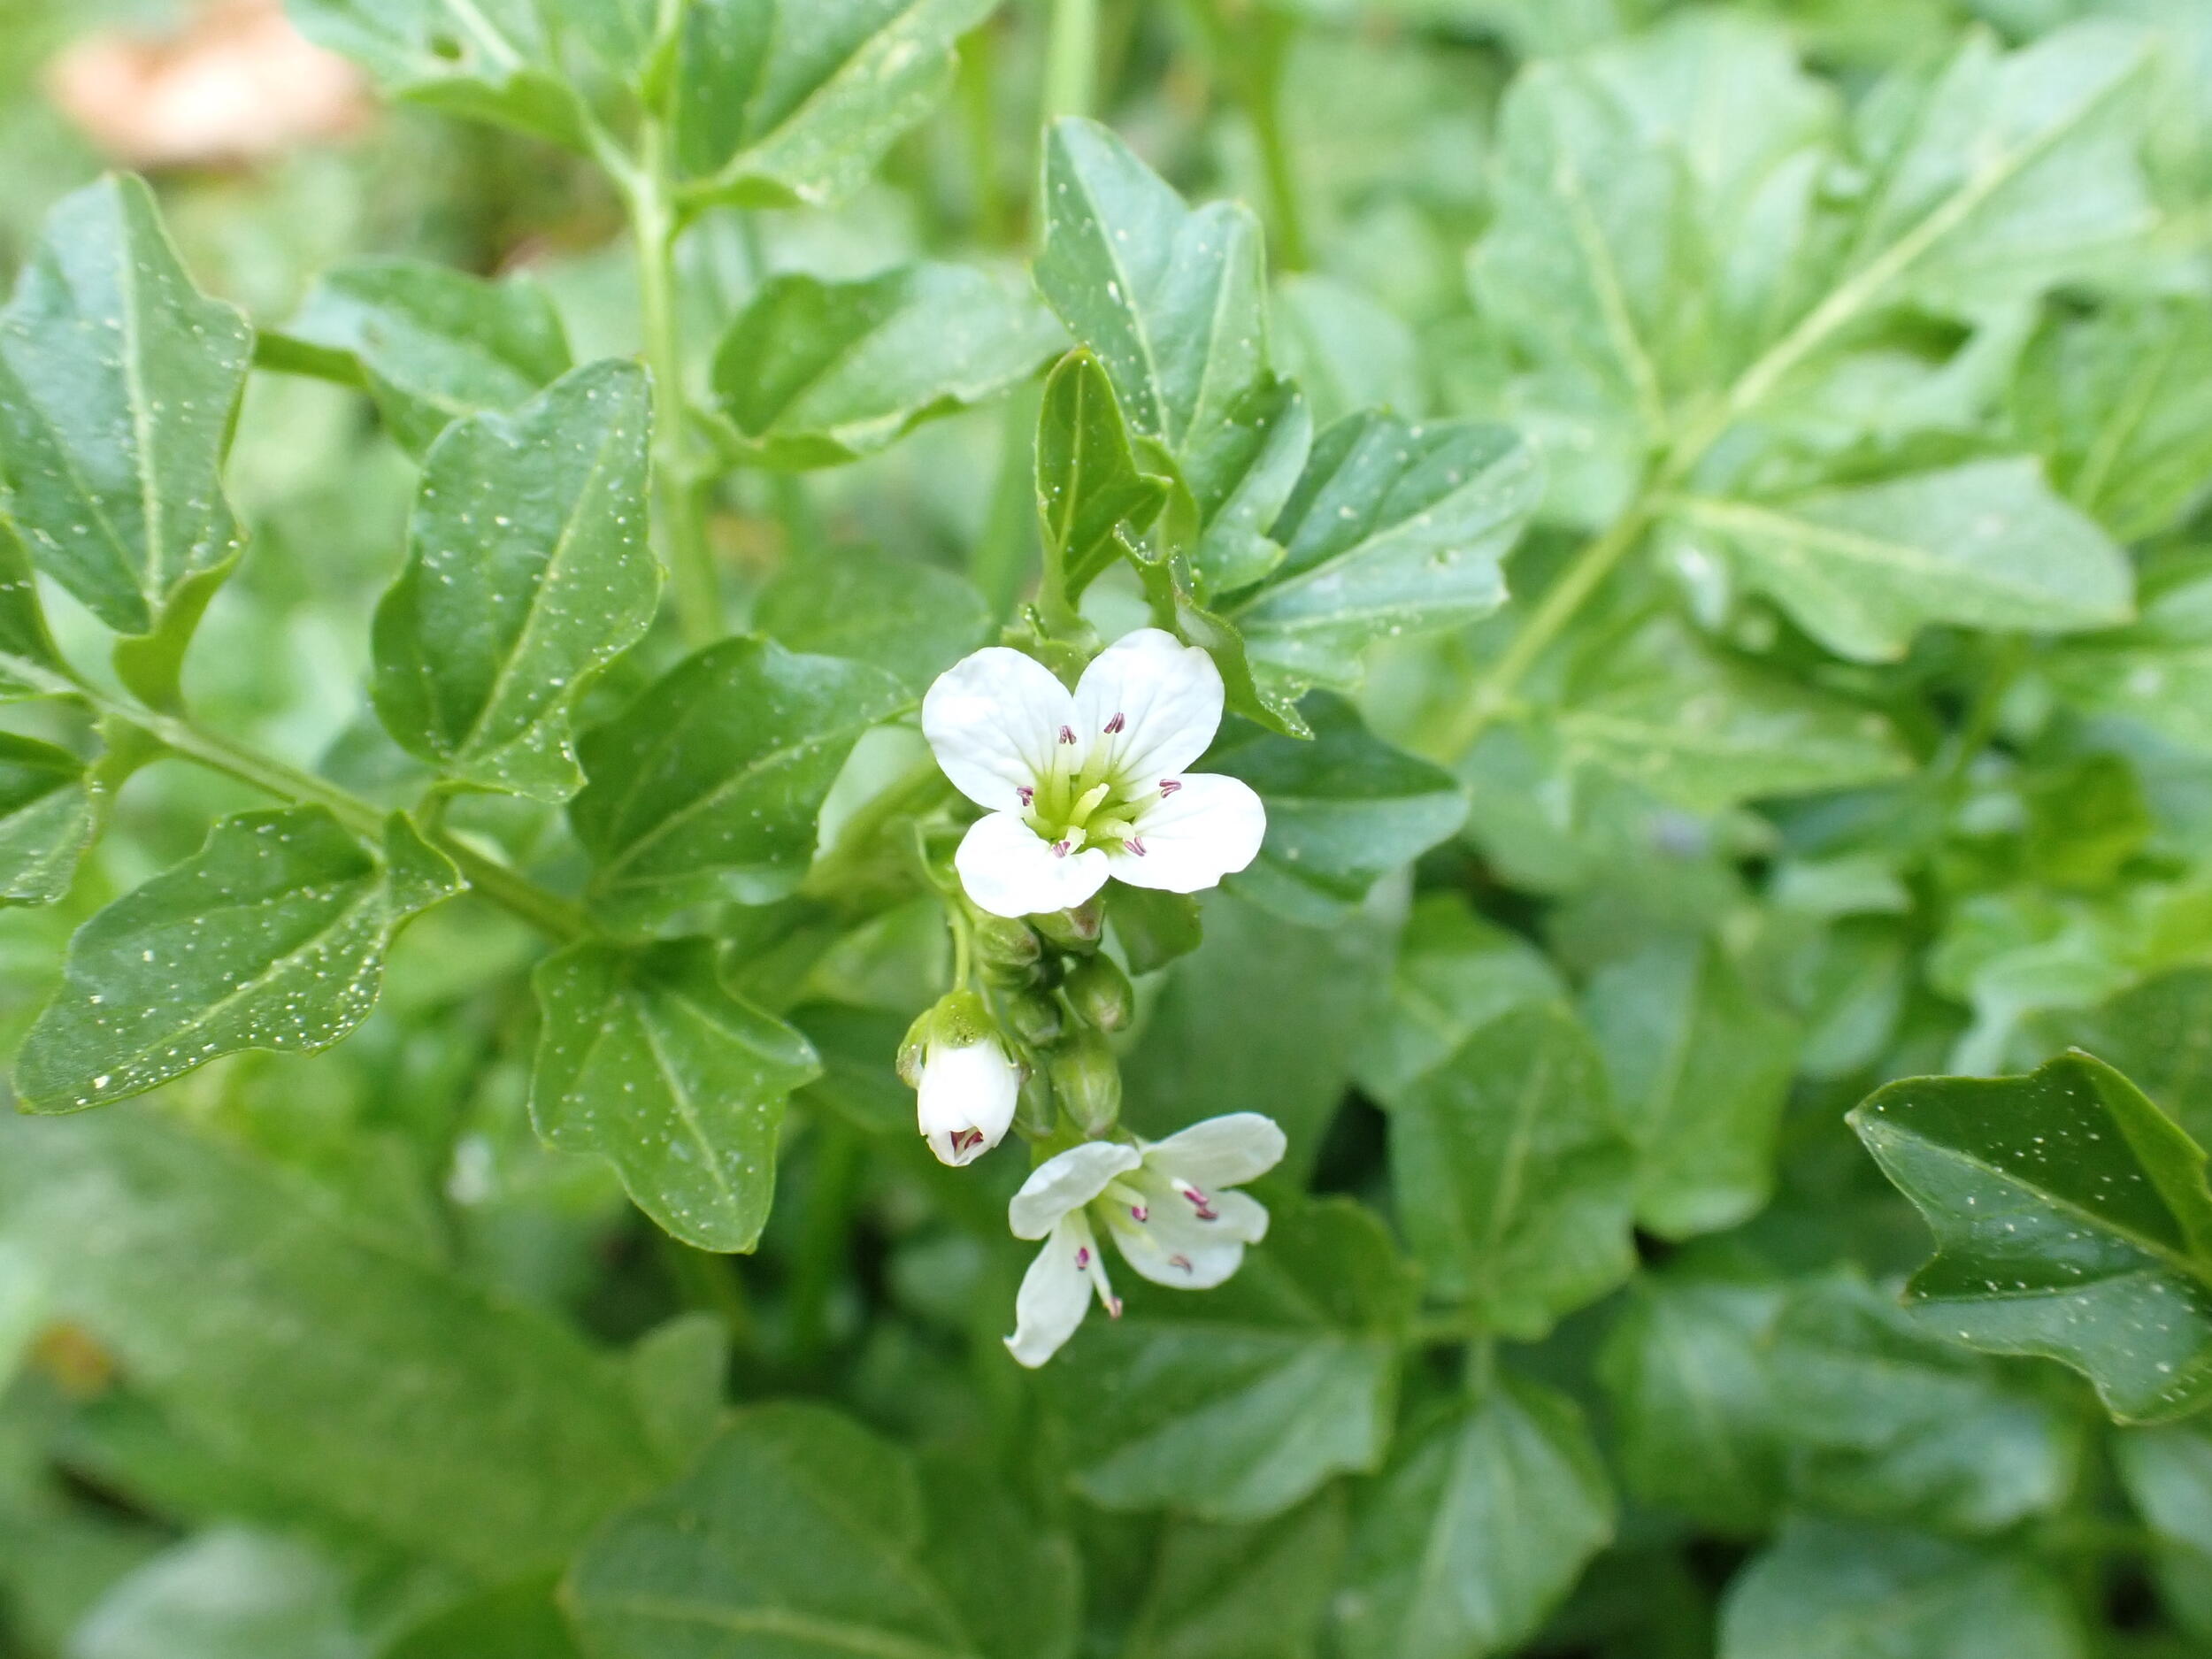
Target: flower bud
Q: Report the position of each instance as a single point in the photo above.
(1004, 943)
(1099, 991)
(1076, 929)
(1087, 1080)
(1034, 1018)
(966, 1083)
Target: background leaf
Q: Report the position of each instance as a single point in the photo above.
(912, 619)
(48, 818)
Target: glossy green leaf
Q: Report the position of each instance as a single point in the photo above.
(1393, 529)
(1890, 1420)
(271, 936)
(1238, 1404)
(1985, 545)
(2071, 1220)
(1703, 732)
(2121, 403)
(1344, 809)
(1456, 972)
(815, 373)
(1827, 1591)
(490, 60)
(1248, 1592)
(229, 1594)
(1240, 473)
(118, 382)
(2160, 1033)
(428, 1411)
(1514, 1180)
(30, 665)
(527, 573)
(1478, 1530)
(1262, 1017)
(48, 817)
(798, 1535)
(2157, 674)
(709, 785)
(1699, 1065)
(1092, 493)
(1693, 1399)
(781, 101)
(1173, 301)
(434, 344)
(910, 619)
(645, 1059)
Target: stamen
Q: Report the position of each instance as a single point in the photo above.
(1182, 1261)
(1199, 1201)
(1113, 1307)
(1026, 794)
(1083, 1258)
(1169, 786)
(1067, 735)
(1136, 845)
(1060, 849)
(1114, 725)
(962, 1138)
(1137, 1212)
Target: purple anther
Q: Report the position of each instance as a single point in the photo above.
(1067, 735)
(1026, 794)
(1137, 1212)
(1136, 845)
(1083, 1258)
(1169, 786)
(1114, 725)
(1182, 1261)
(1060, 849)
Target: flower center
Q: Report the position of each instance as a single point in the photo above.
(1083, 800)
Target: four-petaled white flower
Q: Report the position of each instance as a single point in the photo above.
(1090, 784)
(1165, 1204)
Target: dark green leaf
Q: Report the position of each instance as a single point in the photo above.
(117, 381)
(1236, 1405)
(2071, 1220)
(1700, 1069)
(1393, 529)
(48, 818)
(1832, 1591)
(1694, 1408)
(434, 344)
(1016, 1586)
(30, 666)
(815, 373)
(912, 619)
(2160, 1033)
(1173, 301)
(1240, 473)
(271, 936)
(490, 60)
(1155, 927)
(1456, 972)
(1891, 1421)
(1089, 484)
(527, 573)
(646, 1060)
(431, 1414)
(708, 786)
(798, 1535)
(856, 1047)
(1251, 1592)
(1344, 809)
(781, 101)
(1514, 1181)
(516, 1621)
(1478, 1530)
(1985, 545)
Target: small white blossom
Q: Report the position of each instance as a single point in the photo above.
(966, 1083)
(1090, 784)
(1167, 1205)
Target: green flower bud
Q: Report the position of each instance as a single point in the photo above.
(1101, 993)
(1087, 1080)
(1034, 1018)
(1078, 929)
(1002, 944)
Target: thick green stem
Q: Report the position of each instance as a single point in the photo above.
(1072, 59)
(647, 189)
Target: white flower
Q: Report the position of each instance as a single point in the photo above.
(1167, 1206)
(966, 1083)
(1084, 786)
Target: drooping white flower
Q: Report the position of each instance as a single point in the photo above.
(1167, 1205)
(1090, 784)
(966, 1083)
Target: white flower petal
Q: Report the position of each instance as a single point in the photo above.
(966, 1092)
(1172, 1246)
(1056, 1293)
(1220, 1152)
(1009, 871)
(993, 720)
(1066, 1183)
(1168, 696)
(1208, 827)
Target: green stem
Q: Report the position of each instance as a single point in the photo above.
(979, 122)
(1254, 68)
(647, 193)
(548, 912)
(1072, 59)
